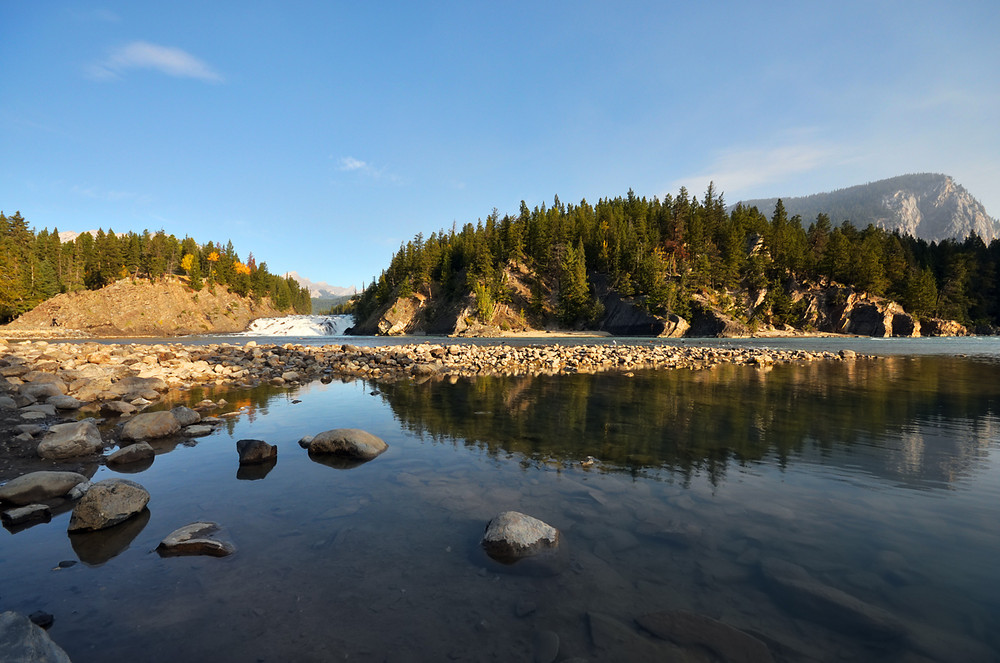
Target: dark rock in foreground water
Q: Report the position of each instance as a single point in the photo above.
(512, 535)
(349, 442)
(108, 503)
(22, 640)
(256, 451)
(686, 628)
(194, 539)
(31, 513)
(139, 452)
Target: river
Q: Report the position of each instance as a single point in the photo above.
(832, 510)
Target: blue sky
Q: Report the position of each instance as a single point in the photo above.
(320, 135)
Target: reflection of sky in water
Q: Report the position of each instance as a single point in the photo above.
(878, 482)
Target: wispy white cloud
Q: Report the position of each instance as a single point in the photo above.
(144, 55)
(744, 169)
(351, 165)
(110, 196)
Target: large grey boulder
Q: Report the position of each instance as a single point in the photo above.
(150, 425)
(349, 442)
(256, 451)
(80, 438)
(129, 388)
(42, 390)
(108, 503)
(512, 535)
(194, 539)
(39, 486)
(64, 402)
(21, 641)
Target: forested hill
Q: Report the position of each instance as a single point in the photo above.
(671, 257)
(930, 206)
(37, 266)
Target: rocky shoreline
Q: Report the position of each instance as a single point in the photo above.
(44, 384)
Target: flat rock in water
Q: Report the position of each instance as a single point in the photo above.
(80, 438)
(256, 451)
(150, 425)
(108, 503)
(38, 486)
(828, 605)
(512, 535)
(350, 442)
(687, 628)
(26, 514)
(134, 453)
(197, 430)
(194, 539)
(22, 640)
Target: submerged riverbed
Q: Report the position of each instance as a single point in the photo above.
(833, 510)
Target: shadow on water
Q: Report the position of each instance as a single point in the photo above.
(97, 548)
(864, 415)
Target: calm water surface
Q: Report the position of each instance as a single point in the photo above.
(836, 511)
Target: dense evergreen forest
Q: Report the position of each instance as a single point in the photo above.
(664, 251)
(36, 266)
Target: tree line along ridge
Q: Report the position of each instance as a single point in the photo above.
(662, 252)
(37, 266)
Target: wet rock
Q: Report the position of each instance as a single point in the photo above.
(687, 628)
(70, 440)
(150, 425)
(42, 618)
(185, 416)
(139, 452)
(197, 431)
(255, 451)
(512, 535)
(108, 503)
(546, 646)
(39, 486)
(21, 640)
(26, 514)
(828, 605)
(194, 539)
(349, 442)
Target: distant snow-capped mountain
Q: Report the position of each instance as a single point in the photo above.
(319, 289)
(930, 206)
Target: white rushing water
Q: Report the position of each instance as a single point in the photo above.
(300, 325)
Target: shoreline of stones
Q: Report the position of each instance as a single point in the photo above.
(91, 369)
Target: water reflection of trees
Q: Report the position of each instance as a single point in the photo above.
(917, 420)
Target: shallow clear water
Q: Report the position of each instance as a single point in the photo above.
(873, 485)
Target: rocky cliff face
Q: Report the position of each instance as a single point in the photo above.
(930, 206)
(143, 308)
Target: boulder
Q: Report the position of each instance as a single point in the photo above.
(117, 408)
(687, 629)
(512, 535)
(134, 453)
(63, 402)
(41, 390)
(256, 451)
(194, 539)
(108, 503)
(150, 425)
(197, 431)
(350, 442)
(39, 486)
(129, 388)
(185, 416)
(22, 640)
(79, 438)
